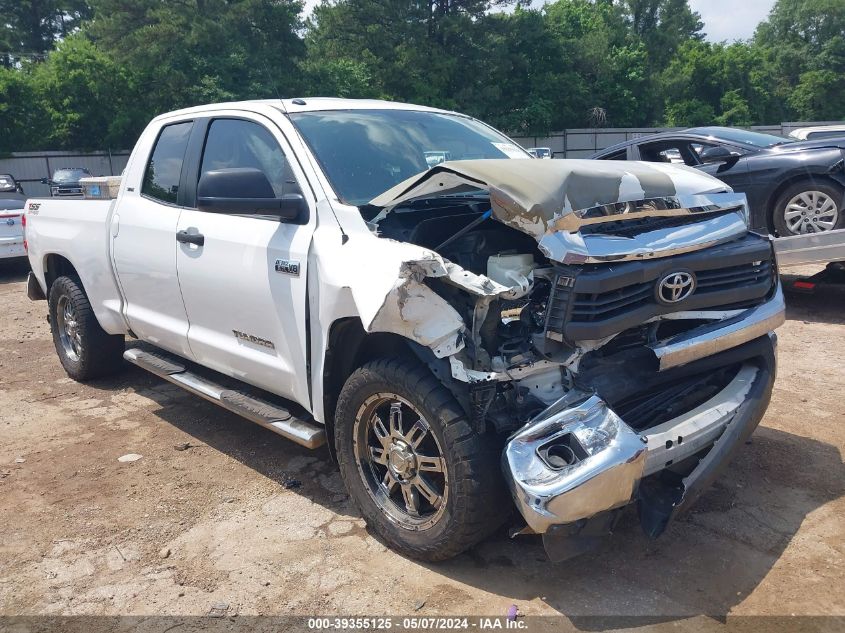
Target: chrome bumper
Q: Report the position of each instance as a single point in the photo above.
(607, 457)
(724, 334)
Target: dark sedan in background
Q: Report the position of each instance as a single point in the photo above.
(792, 187)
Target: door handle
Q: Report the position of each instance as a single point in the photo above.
(183, 237)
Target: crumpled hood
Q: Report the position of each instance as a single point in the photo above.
(536, 196)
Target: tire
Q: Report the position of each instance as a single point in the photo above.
(85, 350)
(473, 501)
(809, 206)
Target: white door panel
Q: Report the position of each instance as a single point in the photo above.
(144, 252)
(246, 319)
(144, 245)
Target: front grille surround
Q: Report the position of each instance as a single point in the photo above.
(596, 301)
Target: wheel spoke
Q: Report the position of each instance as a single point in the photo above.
(378, 455)
(396, 419)
(412, 500)
(431, 464)
(417, 433)
(827, 206)
(427, 491)
(794, 224)
(389, 483)
(381, 432)
(808, 202)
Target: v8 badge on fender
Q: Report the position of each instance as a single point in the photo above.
(288, 267)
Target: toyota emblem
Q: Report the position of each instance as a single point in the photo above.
(675, 287)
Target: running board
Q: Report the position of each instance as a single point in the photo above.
(269, 415)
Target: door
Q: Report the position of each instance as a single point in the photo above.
(244, 285)
(144, 244)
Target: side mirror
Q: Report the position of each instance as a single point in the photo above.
(716, 154)
(246, 190)
(45, 181)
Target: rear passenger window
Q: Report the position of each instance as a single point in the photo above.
(161, 178)
(235, 143)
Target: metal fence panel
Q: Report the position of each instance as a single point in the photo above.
(29, 168)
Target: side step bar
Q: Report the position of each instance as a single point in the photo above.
(269, 415)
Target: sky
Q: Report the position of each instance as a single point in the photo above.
(731, 19)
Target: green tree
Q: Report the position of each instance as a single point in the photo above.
(662, 26)
(87, 100)
(819, 96)
(20, 111)
(199, 51)
(32, 27)
(728, 84)
(805, 42)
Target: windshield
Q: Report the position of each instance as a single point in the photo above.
(70, 175)
(366, 152)
(757, 139)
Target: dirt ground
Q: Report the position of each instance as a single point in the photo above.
(225, 521)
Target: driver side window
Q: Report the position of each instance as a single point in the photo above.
(236, 143)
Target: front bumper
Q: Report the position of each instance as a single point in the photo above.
(578, 460)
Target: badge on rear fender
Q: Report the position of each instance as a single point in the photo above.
(288, 267)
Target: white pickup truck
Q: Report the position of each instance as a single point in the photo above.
(586, 334)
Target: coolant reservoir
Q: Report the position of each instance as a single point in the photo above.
(511, 271)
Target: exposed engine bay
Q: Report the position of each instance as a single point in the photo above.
(559, 327)
(614, 322)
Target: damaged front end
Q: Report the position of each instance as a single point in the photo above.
(613, 319)
(578, 462)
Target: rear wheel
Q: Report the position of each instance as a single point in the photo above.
(85, 350)
(809, 207)
(424, 481)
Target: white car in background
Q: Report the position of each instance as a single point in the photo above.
(540, 152)
(12, 202)
(818, 132)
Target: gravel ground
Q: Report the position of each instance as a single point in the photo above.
(248, 521)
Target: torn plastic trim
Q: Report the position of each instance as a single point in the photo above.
(608, 458)
(462, 373)
(658, 503)
(393, 296)
(412, 310)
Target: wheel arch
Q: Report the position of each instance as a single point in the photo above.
(56, 266)
(349, 347)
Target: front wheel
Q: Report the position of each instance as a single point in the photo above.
(809, 207)
(85, 350)
(424, 480)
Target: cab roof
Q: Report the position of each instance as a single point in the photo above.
(303, 104)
